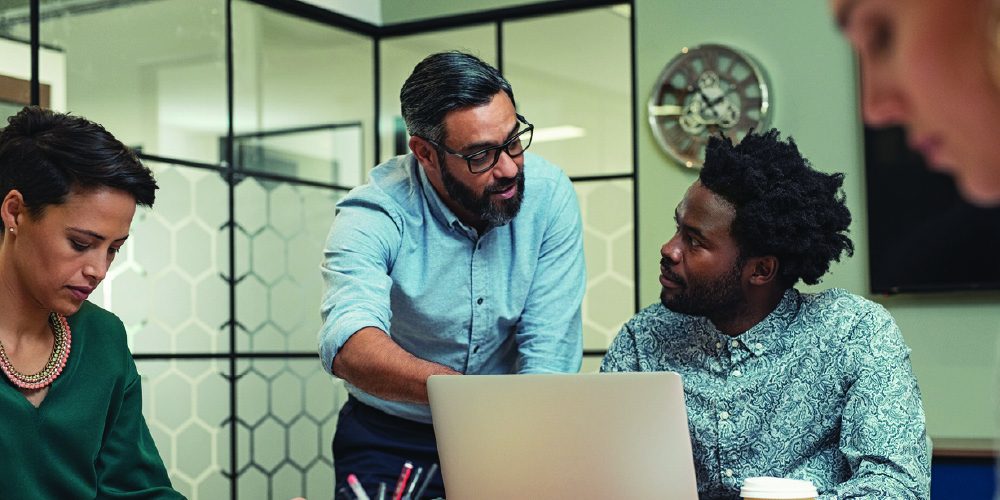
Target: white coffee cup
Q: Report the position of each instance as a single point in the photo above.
(777, 488)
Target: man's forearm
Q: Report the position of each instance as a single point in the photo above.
(372, 362)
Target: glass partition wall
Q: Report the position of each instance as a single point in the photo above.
(256, 116)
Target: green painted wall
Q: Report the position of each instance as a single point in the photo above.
(811, 69)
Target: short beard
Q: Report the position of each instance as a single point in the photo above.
(497, 214)
(721, 299)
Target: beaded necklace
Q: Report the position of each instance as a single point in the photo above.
(60, 353)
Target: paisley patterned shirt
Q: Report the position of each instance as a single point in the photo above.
(821, 390)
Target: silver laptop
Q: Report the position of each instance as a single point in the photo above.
(563, 437)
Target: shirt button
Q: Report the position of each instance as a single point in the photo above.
(758, 346)
(724, 415)
(729, 472)
(718, 345)
(736, 373)
(736, 343)
(480, 301)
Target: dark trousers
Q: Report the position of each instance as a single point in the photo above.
(374, 445)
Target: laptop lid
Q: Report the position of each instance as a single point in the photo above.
(563, 436)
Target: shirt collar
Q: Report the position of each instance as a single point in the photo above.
(775, 327)
(764, 335)
(441, 212)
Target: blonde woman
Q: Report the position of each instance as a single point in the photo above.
(932, 66)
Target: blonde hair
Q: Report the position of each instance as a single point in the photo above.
(993, 41)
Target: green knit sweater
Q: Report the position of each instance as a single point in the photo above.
(87, 439)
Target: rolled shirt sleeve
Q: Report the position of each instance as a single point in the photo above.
(357, 258)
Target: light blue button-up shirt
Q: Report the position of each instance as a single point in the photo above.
(821, 389)
(507, 301)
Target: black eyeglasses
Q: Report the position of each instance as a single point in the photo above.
(481, 161)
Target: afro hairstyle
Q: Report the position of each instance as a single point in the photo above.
(784, 207)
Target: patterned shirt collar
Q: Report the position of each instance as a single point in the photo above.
(771, 331)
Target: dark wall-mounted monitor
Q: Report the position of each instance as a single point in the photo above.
(923, 237)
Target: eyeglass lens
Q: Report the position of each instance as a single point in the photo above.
(480, 163)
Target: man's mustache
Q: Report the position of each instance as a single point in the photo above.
(505, 184)
(670, 275)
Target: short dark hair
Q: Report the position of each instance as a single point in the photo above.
(783, 206)
(443, 82)
(45, 155)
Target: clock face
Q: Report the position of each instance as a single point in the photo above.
(704, 91)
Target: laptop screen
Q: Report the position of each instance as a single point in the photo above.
(563, 436)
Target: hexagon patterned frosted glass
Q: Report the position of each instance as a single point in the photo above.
(287, 412)
(279, 290)
(185, 404)
(608, 236)
(166, 283)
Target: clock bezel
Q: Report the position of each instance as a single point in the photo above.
(667, 73)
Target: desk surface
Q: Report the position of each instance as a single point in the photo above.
(964, 447)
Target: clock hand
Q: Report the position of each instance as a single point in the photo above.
(719, 99)
(708, 102)
(719, 119)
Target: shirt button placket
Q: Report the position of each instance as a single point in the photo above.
(480, 276)
(728, 479)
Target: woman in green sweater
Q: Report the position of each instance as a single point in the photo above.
(70, 397)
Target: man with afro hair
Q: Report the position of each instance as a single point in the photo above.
(814, 386)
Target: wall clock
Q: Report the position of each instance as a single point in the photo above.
(705, 91)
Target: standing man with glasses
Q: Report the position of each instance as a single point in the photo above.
(463, 257)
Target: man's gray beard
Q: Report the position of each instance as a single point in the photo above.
(497, 214)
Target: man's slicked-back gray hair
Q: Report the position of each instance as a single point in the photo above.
(443, 82)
